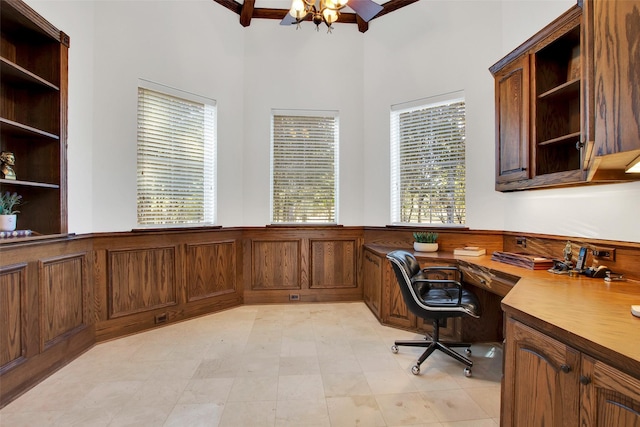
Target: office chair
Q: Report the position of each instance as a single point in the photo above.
(434, 299)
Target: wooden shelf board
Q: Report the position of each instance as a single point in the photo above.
(560, 139)
(10, 126)
(15, 73)
(27, 183)
(565, 88)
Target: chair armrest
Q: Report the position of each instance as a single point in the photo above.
(444, 268)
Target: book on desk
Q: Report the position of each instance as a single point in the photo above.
(469, 251)
(531, 262)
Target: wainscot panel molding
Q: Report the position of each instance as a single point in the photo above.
(141, 280)
(144, 279)
(45, 309)
(211, 269)
(64, 291)
(309, 264)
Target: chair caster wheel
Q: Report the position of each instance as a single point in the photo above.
(415, 369)
(468, 351)
(467, 372)
(394, 349)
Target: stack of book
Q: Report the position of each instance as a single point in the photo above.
(532, 262)
(469, 251)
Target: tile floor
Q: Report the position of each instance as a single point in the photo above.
(265, 365)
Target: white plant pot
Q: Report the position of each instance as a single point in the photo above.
(8, 222)
(425, 247)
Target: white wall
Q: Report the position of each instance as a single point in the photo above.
(287, 68)
(427, 48)
(76, 19)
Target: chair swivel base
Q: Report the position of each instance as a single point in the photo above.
(433, 346)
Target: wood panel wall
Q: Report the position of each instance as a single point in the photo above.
(59, 296)
(45, 321)
(146, 279)
(291, 264)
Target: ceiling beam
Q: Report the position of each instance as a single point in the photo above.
(247, 12)
(232, 5)
(392, 6)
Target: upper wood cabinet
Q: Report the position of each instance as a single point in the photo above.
(613, 54)
(562, 117)
(33, 115)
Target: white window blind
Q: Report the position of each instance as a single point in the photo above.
(176, 157)
(428, 161)
(304, 167)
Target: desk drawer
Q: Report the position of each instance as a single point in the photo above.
(493, 281)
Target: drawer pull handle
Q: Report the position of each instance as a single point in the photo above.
(483, 281)
(565, 368)
(585, 380)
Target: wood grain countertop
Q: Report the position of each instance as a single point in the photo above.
(589, 314)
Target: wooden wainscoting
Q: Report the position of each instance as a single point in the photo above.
(13, 304)
(284, 264)
(64, 297)
(141, 280)
(211, 269)
(45, 310)
(149, 278)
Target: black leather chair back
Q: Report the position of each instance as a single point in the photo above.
(405, 266)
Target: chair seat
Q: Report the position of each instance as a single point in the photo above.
(443, 297)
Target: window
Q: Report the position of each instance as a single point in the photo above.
(428, 161)
(304, 167)
(176, 157)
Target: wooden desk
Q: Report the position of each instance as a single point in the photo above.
(572, 347)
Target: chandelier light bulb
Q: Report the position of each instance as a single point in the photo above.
(297, 9)
(330, 16)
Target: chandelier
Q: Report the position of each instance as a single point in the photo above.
(326, 11)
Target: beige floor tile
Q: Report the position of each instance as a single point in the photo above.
(29, 419)
(299, 365)
(405, 409)
(207, 390)
(488, 398)
(346, 384)
(386, 382)
(302, 413)
(195, 415)
(256, 414)
(454, 405)
(361, 411)
(306, 365)
(300, 387)
(135, 416)
(252, 389)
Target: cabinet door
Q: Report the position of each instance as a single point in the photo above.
(608, 396)
(372, 278)
(541, 384)
(616, 31)
(512, 122)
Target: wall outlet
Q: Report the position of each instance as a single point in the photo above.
(294, 297)
(608, 254)
(160, 318)
(521, 241)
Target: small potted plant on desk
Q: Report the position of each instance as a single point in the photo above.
(425, 241)
(8, 202)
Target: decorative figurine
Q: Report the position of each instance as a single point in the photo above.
(568, 254)
(7, 160)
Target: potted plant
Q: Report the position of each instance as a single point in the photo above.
(425, 241)
(8, 202)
